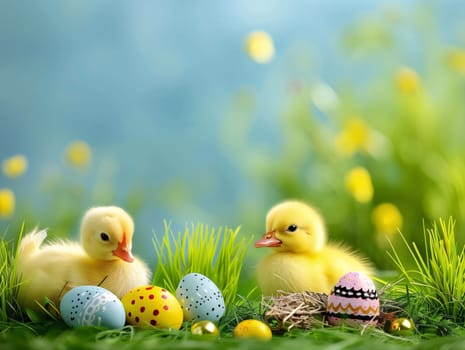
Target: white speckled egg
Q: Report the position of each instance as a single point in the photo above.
(92, 306)
(200, 298)
(353, 300)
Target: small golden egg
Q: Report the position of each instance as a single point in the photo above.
(400, 326)
(204, 328)
(253, 329)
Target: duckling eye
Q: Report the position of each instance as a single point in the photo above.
(104, 237)
(292, 228)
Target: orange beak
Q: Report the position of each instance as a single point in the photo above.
(268, 240)
(123, 252)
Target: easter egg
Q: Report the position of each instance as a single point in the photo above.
(400, 326)
(253, 329)
(152, 306)
(92, 306)
(200, 298)
(204, 328)
(353, 300)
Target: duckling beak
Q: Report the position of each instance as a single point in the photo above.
(268, 240)
(123, 252)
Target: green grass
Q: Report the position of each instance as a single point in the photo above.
(57, 336)
(217, 253)
(9, 282)
(201, 248)
(436, 285)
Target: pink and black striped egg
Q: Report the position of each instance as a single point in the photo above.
(152, 306)
(353, 301)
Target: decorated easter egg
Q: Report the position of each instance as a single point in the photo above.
(253, 329)
(92, 306)
(204, 328)
(200, 298)
(151, 306)
(353, 300)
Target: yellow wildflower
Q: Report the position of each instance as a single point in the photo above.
(7, 202)
(79, 154)
(356, 136)
(407, 80)
(387, 218)
(259, 46)
(456, 60)
(358, 183)
(14, 166)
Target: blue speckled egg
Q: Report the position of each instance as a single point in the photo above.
(92, 306)
(200, 298)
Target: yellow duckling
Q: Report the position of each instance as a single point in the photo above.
(103, 258)
(302, 259)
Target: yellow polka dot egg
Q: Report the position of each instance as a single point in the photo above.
(152, 306)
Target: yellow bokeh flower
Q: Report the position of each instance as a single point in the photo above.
(7, 203)
(356, 136)
(79, 154)
(259, 46)
(407, 80)
(456, 60)
(358, 183)
(14, 166)
(387, 218)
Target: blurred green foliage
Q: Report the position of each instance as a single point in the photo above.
(401, 122)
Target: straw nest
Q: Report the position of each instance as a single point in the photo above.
(307, 309)
(300, 310)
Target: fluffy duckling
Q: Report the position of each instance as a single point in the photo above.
(103, 258)
(302, 259)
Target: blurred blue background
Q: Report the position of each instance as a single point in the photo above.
(150, 85)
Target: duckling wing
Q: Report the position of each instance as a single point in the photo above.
(341, 260)
(47, 271)
(291, 273)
